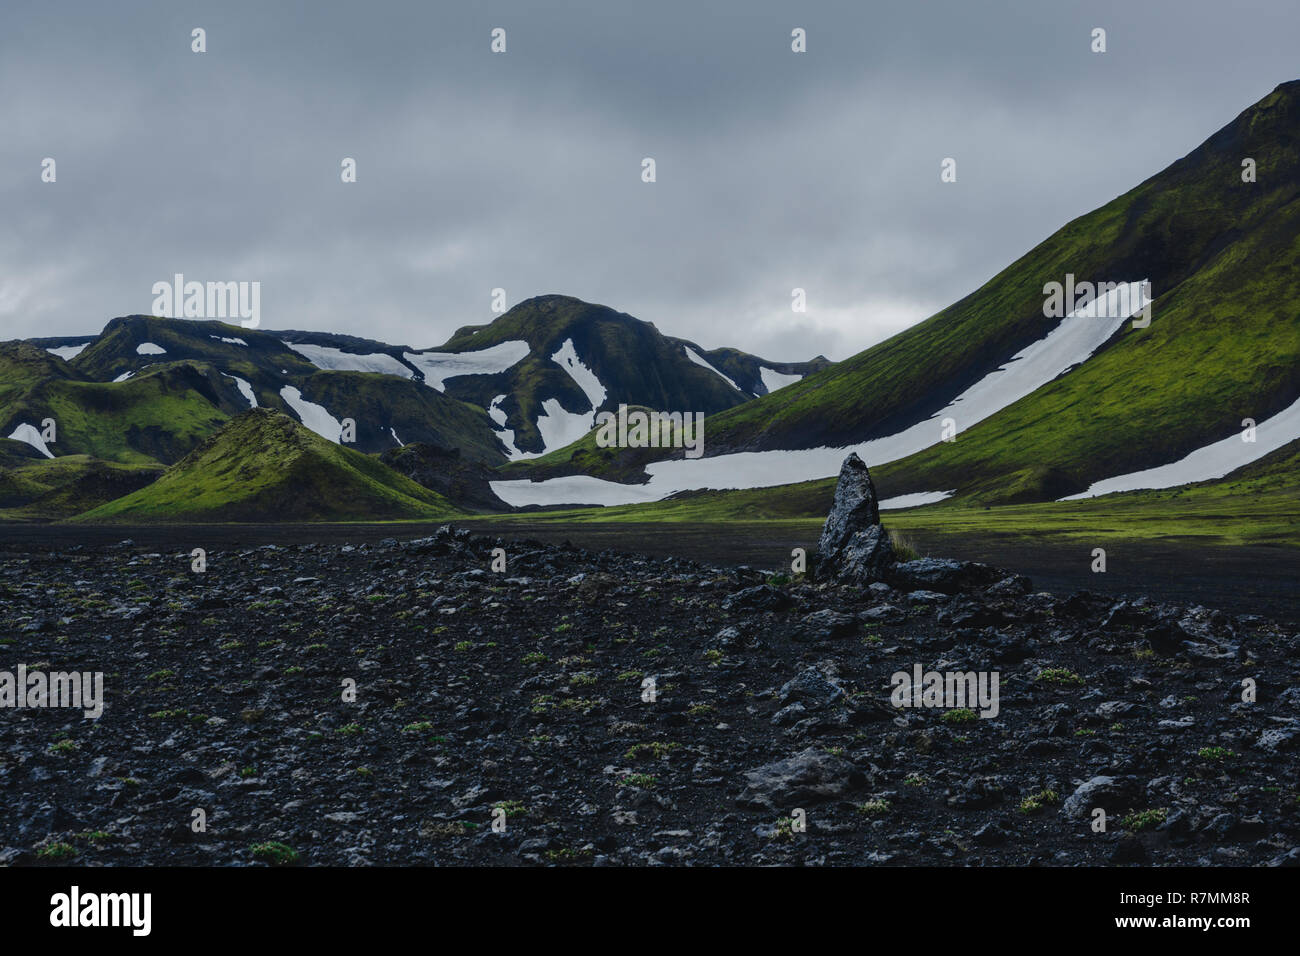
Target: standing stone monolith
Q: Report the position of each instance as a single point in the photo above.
(854, 545)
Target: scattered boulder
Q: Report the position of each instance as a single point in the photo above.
(812, 688)
(809, 776)
(1112, 794)
(946, 575)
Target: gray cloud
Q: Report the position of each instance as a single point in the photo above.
(522, 170)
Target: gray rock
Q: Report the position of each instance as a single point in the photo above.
(1112, 794)
(866, 557)
(854, 509)
(812, 688)
(809, 776)
(943, 574)
(826, 625)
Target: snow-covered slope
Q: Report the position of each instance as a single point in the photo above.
(1210, 462)
(1070, 343)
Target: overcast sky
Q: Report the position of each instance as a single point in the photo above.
(522, 170)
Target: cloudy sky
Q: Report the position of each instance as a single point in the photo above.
(522, 170)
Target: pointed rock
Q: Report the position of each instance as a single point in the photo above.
(855, 507)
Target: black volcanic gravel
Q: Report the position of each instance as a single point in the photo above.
(523, 691)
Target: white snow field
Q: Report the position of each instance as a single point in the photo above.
(148, 348)
(222, 338)
(123, 377)
(245, 389)
(699, 360)
(1210, 462)
(772, 379)
(313, 416)
(567, 359)
(915, 500)
(327, 357)
(507, 435)
(557, 426)
(68, 352)
(31, 435)
(440, 366)
(1070, 343)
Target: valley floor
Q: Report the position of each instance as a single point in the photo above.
(521, 696)
(1242, 578)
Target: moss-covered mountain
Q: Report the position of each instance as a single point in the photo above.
(450, 397)
(1223, 258)
(633, 362)
(264, 466)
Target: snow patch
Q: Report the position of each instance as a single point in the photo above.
(559, 427)
(393, 431)
(1210, 462)
(229, 341)
(148, 348)
(245, 389)
(914, 500)
(507, 435)
(313, 416)
(572, 489)
(699, 360)
(773, 380)
(67, 352)
(31, 435)
(123, 377)
(437, 367)
(327, 357)
(567, 359)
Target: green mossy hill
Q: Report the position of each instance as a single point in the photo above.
(1224, 341)
(43, 489)
(264, 466)
(159, 416)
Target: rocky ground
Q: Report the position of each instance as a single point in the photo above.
(519, 695)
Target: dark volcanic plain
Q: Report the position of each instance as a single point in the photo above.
(523, 690)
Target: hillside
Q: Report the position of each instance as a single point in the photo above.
(263, 466)
(1045, 407)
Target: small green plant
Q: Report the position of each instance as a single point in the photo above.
(655, 748)
(275, 853)
(904, 550)
(512, 808)
(1216, 754)
(641, 781)
(1143, 819)
(1039, 800)
(534, 657)
(960, 715)
(56, 851)
(874, 808)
